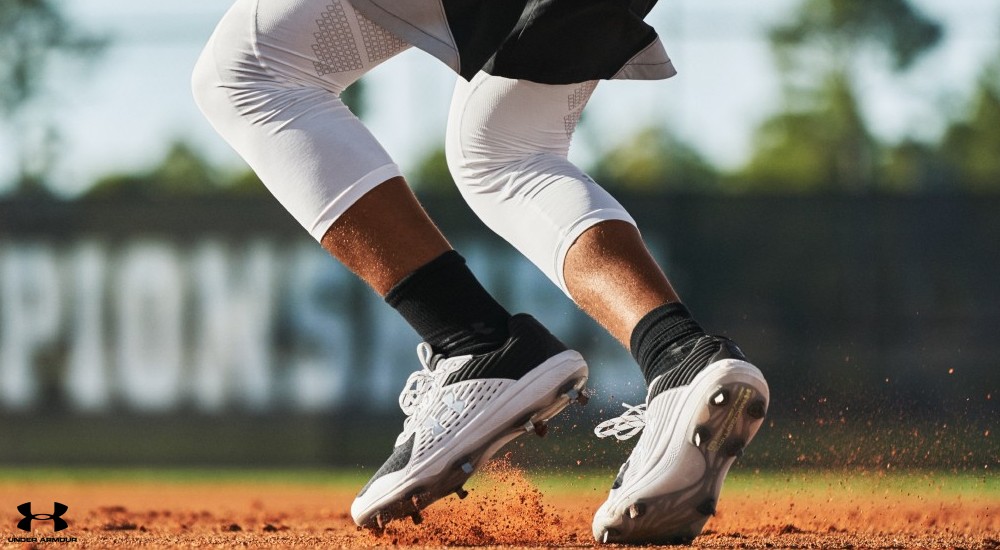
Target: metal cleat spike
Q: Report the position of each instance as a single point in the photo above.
(756, 409)
(467, 467)
(707, 507)
(701, 435)
(636, 510)
(734, 447)
(417, 518)
(380, 520)
(541, 428)
(415, 500)
(529, 426)
(461, 492)
(584, 398)
(720, 398)
(573, 394)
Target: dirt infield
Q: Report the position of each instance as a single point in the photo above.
(504, 509)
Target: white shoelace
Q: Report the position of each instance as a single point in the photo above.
(420, 385)
(626, 426)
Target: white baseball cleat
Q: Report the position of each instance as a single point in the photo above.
(695, 422)
(462, 410)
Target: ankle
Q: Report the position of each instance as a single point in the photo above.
(658, 336)
(449, 309)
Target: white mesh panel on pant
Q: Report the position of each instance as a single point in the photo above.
(507, 145)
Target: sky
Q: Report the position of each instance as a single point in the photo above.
(121, 113)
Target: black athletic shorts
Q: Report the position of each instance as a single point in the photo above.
(546, 41)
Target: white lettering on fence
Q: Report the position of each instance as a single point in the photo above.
(155, 326)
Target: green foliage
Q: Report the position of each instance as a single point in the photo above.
(354, 98)
(825, 147)
(431, 174)
(32, 33)
(839, 30)
(913, 167)
(183, 172)
(654, 160)
(820, 141)
(972, 146)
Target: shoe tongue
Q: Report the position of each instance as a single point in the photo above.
(435, 359)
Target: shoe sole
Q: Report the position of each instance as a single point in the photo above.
(719, 418)
(413, 494)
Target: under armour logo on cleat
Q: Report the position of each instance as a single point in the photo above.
(434, 426)
(452, 403)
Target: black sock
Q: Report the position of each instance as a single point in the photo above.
(449, 309)
(657, 334)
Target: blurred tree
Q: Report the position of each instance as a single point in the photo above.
(825, 146)
(431, 174)
(821, 140)
(32, 33)
(654, 160)
(354, 97)
(972, 146)
(913, 166)
(183, 172)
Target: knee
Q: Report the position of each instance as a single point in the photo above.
(482, 162)
(226, 69)
(204, 81)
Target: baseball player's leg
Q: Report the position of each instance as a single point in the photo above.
(507, 147)
(269, 82)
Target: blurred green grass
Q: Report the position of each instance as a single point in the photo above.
(912, 482)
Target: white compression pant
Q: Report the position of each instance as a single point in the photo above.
(507, 145)
(269, 81)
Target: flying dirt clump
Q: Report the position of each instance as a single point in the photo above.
(505, 508)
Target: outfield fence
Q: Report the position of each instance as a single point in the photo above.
(222, 318)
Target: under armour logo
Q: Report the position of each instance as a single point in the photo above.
(56, 516)
(454, 404)
(435, 427)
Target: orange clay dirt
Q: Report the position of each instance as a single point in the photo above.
(503, 510)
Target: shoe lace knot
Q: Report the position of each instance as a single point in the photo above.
(625, 426)
(421, 387)
(419, 384)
